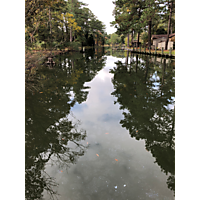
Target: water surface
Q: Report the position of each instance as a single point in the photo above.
(100, 125)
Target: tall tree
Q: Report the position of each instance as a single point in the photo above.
(170, 10)
(57, 23)
(152, 8)
(127, 15)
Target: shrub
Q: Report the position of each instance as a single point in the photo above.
(74, 45)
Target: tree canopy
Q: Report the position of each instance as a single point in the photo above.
(144, 16)
(58, 24)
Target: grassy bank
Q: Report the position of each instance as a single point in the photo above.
(153, 51)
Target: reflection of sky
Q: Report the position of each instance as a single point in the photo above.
(156, 86)
(99, 103)
(115, 166)
(154, 79)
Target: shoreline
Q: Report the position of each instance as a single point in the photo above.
(35, 57)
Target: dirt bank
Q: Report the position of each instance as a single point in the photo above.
(35, 57)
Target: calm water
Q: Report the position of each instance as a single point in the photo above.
(100, 125)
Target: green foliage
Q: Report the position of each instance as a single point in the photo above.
(74, 45)
(126, 41)
(144, 38)
(146, 109)
(140, 15)
(115, 39)
(49, 24)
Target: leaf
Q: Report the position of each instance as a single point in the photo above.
(41, 92)
(136, 131)
(97, 155)
(116, 159)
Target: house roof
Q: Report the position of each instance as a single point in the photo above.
(160, 36)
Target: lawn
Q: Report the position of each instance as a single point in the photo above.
(153, 51)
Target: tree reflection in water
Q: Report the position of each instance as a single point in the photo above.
(50, 144)
(145, 91)
(50, 133)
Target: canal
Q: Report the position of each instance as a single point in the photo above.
(100, 126)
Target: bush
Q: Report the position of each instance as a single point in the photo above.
(74, 45)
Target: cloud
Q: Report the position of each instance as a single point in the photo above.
(103, 10)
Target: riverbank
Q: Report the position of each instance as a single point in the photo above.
(34, 57)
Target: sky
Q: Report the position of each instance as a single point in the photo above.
(103, 10)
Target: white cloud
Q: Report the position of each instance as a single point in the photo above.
(103, 10)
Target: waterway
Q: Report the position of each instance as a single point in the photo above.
(100, 125)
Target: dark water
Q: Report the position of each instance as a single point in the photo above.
(100, 125)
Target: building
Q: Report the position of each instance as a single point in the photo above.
(159, 41)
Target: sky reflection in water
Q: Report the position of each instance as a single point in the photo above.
(114, 164)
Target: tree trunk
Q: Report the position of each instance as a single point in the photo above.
(128, 40)
(146, 72)
(132, 37)
(136, 63)
(70, 33)
(50, 27)
(169, 22)
(71, 27)
(171, 29)
(149, 34)
(127, 58)
(138, 38)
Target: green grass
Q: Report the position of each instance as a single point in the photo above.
(158, 51)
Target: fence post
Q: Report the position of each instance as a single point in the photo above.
(140, 48)
(162, 50)
(155, 49)
(150, 50)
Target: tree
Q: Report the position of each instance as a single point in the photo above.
(146, 109)
(151, 11)
(139, 16)
(127, 15)
(127, 41)
(57, 24)
(171, 4)
(115, 39)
